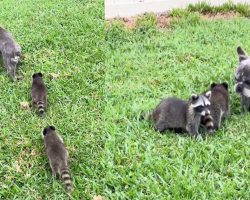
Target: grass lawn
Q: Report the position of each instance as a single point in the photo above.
(112, 152)
(63, 38)
(146, 64)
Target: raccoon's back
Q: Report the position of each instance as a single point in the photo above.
(54, 144)
(219, 101)
(56, 151)
(38, 85)
(6, 41)
(38, 90)
(173, 110)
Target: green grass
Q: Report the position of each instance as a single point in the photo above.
(96, 107)
(65, 38)
(205, 8)
(144, 65)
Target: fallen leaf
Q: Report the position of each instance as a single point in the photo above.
(24, 105)
(67, 75)
(53, 76)
(17, 167)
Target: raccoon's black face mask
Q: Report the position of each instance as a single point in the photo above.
(202, 110)
(243, 75)
(201, 103)
(243, 88)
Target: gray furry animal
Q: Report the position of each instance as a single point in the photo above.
(58, 155)
(177, 114)
(39, 93)
(11, 52)
(219, 108)
(242, 78)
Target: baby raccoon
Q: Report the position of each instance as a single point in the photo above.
(39, 93)
(173, 113)
(58, 155)
(11, 52)
(242, 78)
(219, 108)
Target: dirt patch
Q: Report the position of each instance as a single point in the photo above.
(129, 23)
(228, 15)
(164, 19)
(24, 105)
(99, 197)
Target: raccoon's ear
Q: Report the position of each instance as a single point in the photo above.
(225, 85)
(52, 128)
(194, 97)
(40, 74)
(34, 75)
(213, 85)
(242, 55)
(45, 131)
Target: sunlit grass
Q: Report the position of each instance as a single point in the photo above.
(61, 39)
(146, 64)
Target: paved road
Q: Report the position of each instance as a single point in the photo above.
(128, 8)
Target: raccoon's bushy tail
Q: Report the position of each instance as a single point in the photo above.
(65, 175)
(41, 107)
(145, 116)
(209, 123)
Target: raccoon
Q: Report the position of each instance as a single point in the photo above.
(58, 155)
(11, 52)
(39, 93)
(242, 78)
(219, 108)
(177, 114)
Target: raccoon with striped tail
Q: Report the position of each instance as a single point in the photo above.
(176, 114)
(39, 93)
(58, 155)
(219, 108)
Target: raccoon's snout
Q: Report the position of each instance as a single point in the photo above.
(239, 87)
(205, 113)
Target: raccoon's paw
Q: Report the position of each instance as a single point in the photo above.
(196, 136)
(244, 109)
(160, 127)
(15, 79)
(211, 131)
(19, 77)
